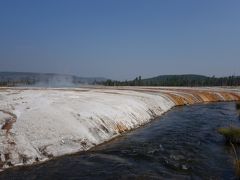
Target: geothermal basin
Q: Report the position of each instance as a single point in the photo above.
(37, 124)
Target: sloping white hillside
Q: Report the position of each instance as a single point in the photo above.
(37, 124)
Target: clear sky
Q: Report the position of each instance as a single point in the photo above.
(120, 39)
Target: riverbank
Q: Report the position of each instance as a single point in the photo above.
(38, 124)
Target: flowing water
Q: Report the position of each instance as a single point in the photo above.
(182, 144)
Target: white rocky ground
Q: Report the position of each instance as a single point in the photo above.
(37, 124)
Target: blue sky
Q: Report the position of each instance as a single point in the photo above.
(121, 39)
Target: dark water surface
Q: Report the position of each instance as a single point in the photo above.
(182, 144)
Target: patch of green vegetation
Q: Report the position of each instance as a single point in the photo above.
(231, 133)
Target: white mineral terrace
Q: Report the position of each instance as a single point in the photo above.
(37, 124)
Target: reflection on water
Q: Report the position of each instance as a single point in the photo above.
(183, 144)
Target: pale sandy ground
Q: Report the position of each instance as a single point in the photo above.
(37, 124)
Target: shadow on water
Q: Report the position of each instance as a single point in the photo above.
(183, 144)
(238, 109)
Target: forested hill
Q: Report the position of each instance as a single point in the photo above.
(179, 80)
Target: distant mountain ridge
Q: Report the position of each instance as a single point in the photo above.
(182, 76)
(179, 80)
(45, 79)
(63, 80)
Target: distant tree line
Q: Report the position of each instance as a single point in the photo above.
(9, 83)
(166, 80)
(178, 80)
(34, 81)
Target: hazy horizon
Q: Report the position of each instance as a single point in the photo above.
(109, 78)
(120, 39)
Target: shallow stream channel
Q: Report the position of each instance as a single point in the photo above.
(182, 144)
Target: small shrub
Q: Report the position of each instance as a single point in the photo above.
(232, 134)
